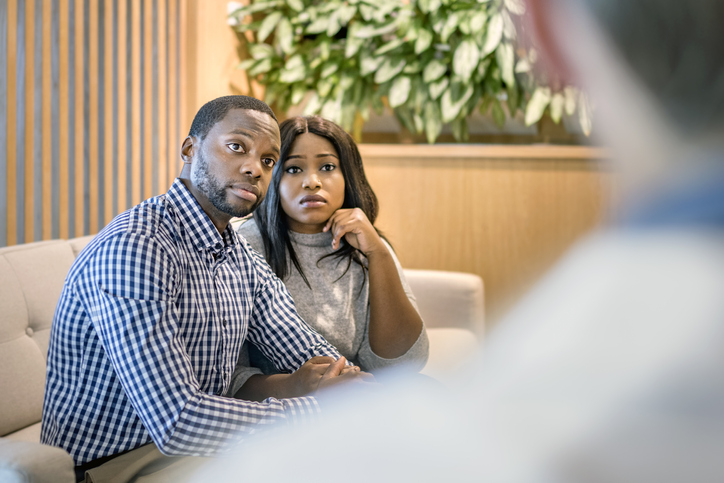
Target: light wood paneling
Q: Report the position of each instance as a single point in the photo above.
(505, 213)
(90, 92)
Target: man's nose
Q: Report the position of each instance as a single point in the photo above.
(311, 181)
(252, 168)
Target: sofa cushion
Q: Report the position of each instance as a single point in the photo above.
(31, 279)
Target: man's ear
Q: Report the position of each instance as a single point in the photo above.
(188, 148)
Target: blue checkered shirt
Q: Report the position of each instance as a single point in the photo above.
(148, 330)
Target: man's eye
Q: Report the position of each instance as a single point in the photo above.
(329, 167)
(269, 162)
(236, 147)
(293, 170)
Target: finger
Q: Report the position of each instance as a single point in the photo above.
(335, 216)
(320, 360)
(334, 368)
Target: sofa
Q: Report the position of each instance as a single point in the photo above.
(31, 279)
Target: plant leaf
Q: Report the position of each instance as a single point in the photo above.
(505, 55)
(584, 114)
(268, 25)
(433, 70)
(477, 22)
(285, 36)
(494, 34)
(328, 69)
(424, 39)
(556, 107)
(245, 64)
(294, 70)
(508, 26)
(570, 94)
(262, 66)
(451, 24)
(298, 92)
(391, 45)
(433, 125)
(318, 26)
(400, 91)
(537, 105)
(453, 99)
(498, 113)
(389, 69)
(370, 64)
(466, 58)
(438, 87)
(297, 5)
(260, 51)
(516, 7)
(345, 14)
(522, 66)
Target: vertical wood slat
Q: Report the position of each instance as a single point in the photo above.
(184, 87)
(173, 112)
(135, 102)
(108, 112)
(12, 152)
(93, 132)
(147, 107)
(161, 96)
(79, 113)
(46, 145)
(122, 99)
(63, 127)
(29, 108)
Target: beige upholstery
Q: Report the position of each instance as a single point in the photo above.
(452, 306)
(31, 280)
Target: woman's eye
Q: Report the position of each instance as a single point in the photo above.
(329, 167)
(293, 170)
(269, 162)
(236, 147)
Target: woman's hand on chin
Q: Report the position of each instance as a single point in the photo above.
(353, 225)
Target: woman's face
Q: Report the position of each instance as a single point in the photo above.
(312, 186)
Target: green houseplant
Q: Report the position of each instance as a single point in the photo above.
(432, 62)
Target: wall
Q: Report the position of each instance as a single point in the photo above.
(91, 111)
(72, 157)
(505, 213)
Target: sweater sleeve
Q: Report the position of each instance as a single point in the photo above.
(416, 356)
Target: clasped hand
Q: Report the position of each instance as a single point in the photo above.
(322, 372)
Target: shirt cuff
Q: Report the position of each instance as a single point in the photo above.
(301, 410)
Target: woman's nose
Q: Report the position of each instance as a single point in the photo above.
(311, 181)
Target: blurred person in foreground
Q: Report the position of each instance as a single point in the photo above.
(612, 369)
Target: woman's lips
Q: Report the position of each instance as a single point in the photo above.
(246, 191)
(312, 201)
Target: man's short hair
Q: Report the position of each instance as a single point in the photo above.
(676, 47)
(215, 110)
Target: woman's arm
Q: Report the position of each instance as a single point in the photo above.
(394, 325)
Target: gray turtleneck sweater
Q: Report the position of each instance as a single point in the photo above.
(337, 308)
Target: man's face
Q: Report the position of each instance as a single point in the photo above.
(231, 168)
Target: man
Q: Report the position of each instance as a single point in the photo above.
(153, 312)
(612, 369)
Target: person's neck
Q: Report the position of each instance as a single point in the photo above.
(218, 218)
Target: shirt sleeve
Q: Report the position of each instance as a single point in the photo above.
(277, 330)
(129, 294)
(416, 356)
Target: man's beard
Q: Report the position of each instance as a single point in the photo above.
(215, 191)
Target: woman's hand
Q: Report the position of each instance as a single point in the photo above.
(308, 378)
(353, 225)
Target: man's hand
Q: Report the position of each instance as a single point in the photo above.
(337, 374)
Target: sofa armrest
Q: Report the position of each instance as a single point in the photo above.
(449, 299)
(24, 462)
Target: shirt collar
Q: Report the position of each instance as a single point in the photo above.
(196, 222)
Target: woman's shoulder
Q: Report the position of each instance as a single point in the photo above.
(250, 232)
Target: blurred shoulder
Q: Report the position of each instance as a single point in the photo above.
(250, 232)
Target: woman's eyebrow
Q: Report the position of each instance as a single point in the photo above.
(324, 155)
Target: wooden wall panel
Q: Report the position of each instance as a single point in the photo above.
(505, 213)
(89, 105)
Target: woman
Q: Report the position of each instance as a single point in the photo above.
(315, 229)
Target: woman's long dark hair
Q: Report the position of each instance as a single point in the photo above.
(270, 217)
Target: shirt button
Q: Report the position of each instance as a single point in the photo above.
(29, 331)
(224, 322)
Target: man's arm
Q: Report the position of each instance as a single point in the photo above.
(130, 293)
